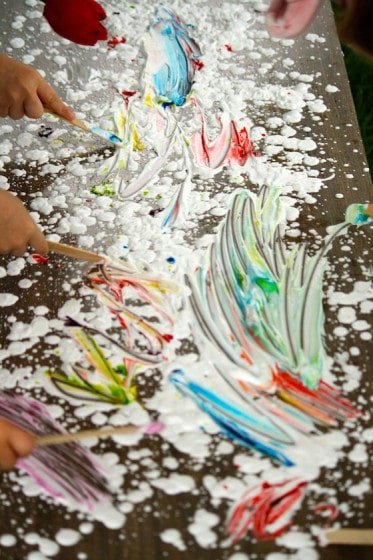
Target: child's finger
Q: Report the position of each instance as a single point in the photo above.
(16, 110)
(22, 443)
(7, 459)
(33, 107)
(14, 444)
(16, 250)
(39, 242)
(50, 99)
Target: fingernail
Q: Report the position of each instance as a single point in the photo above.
(70, 113)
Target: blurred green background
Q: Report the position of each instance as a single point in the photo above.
(360, 73)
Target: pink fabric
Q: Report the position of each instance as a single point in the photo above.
(289, 18)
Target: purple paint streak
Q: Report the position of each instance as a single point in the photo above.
(66, 472)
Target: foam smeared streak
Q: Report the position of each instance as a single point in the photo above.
(111, 280)
(256, 299)
(230, 146)
(266, 509)
(67, 472)
(98, 380)
(252, 304)
(171, 57)
(141, 343)
(152, 167)
(244, 424)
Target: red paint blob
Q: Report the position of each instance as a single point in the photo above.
(128, 93)
(198, 64)
(40, 259)
(167, 337)
(114, 41)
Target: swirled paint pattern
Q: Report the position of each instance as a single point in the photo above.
(257, 308)
(173, 57)
(67, 472)
(118, 285)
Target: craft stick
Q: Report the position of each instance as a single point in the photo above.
(55, 439)
(103, 134)
(74, 252)
(76, 122)
(350, 536)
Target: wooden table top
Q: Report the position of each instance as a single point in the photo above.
(164, 519)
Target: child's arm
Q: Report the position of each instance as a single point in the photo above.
(14, 444)
(23, 92)
(17, 228)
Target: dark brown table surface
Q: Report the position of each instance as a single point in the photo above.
(341, 162)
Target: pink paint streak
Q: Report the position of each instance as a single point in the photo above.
(230, 146)
(69, 472)
(154, 428)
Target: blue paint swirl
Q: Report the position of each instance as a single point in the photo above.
(254, 431)
(169, 44)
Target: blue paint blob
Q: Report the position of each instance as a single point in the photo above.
(177, 53)
(107, 135)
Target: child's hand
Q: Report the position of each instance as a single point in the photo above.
(14, 443)
(17, 228)
(23, 92)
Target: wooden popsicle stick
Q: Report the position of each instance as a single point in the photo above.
(96, 130)
(79, 124)
(74, 252)
(350, 536)
(76, 122)
(55, 439)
